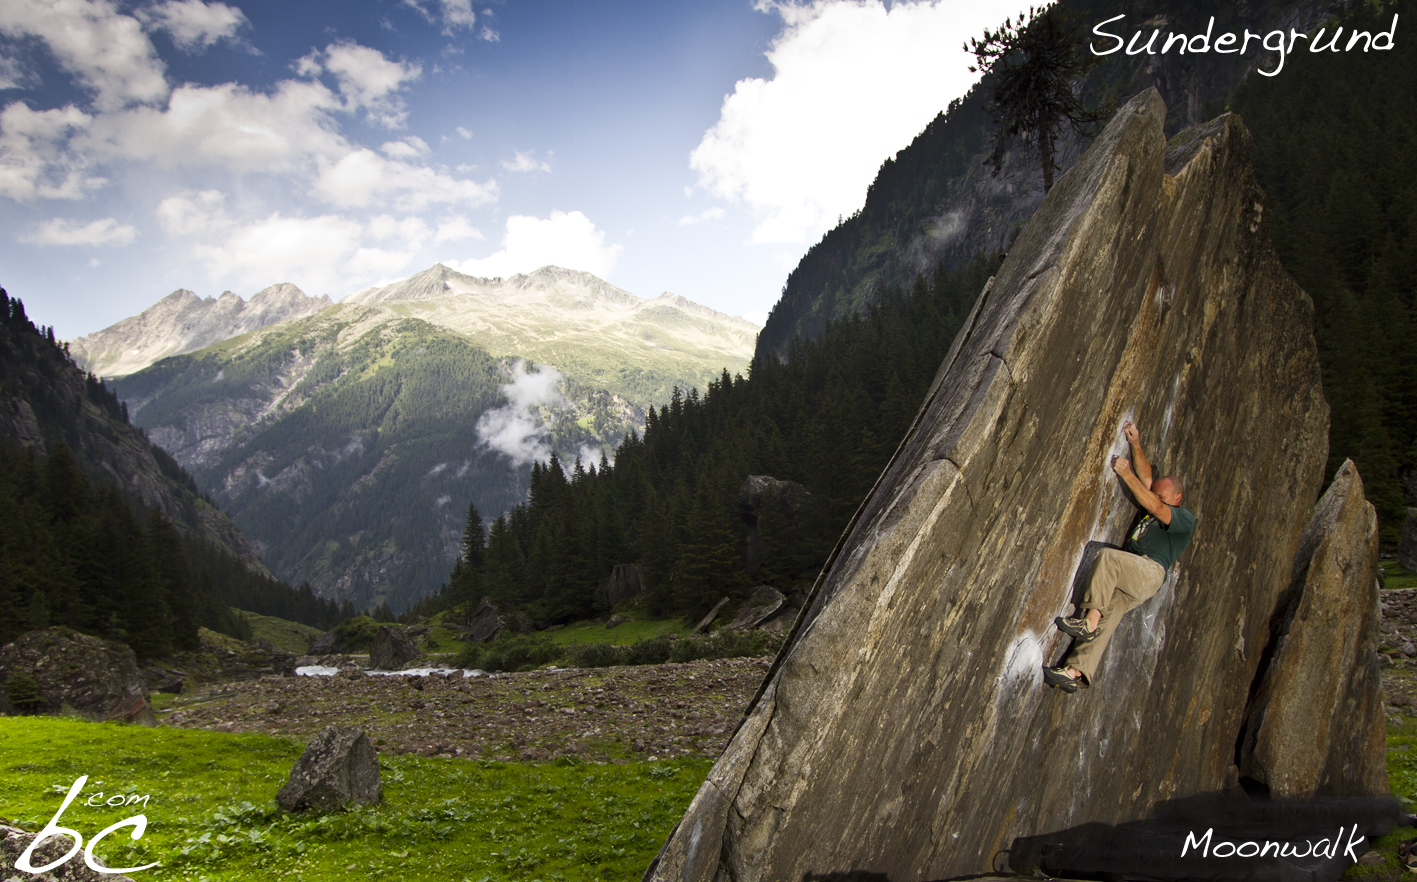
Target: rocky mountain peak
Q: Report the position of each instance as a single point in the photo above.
(183, 322)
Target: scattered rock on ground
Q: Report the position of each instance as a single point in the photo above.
(338, 767)
(672, 709)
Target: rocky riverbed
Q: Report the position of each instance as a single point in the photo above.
(598, 714)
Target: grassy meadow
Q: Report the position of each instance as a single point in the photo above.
(212, 815)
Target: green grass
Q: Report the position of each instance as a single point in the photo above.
(1394, 576)
(292, 637)
(621, 635)
(212, 815)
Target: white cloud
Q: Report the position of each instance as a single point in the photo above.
(320, 253)
(363, 178)
(852, 83)
(366, 79)
(193, 24)
(525, 162)
(58, 231)
(193, 213)
(707, 215)
(411, 147)
(516, 429)
(565, 239)
(14, 76)
(465, 133)
(35, 162)
(453, 14)
(226, 126)
(106, 51)
(456, 229)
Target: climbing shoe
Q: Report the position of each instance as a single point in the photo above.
(1059, 676)
(1075, 628)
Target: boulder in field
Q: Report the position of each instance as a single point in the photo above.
(81, 674)
(339, 766)
(392, 649)
(486, 623)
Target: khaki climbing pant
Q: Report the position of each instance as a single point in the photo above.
(1120, 580)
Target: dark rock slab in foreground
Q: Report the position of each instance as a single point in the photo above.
(77, 673)
(339, 766)
(904, 730)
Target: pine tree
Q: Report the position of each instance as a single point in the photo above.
(1034, 63)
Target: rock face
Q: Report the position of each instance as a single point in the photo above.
(183, 322)
(904, 729)
(391, 649)
(1316, 723)
(96, 678)
(338, 766)
(1407, 546)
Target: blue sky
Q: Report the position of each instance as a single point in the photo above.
(693, 147)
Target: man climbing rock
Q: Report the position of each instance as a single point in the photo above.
(1124, 579)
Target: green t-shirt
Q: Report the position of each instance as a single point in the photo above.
(1162, 543)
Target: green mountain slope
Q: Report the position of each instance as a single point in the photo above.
(100, 530)
(347, 444)
(589, 330)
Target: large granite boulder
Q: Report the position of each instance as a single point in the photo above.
(904, 729)
(392, 649)
(77, 673)
(1315, 724)
(339, 766)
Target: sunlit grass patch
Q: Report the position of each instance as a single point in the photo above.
(211, 811)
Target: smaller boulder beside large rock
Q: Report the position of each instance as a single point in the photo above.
(339, 766)
(77, 673)
(391, 649)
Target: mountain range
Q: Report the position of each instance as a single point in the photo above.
(183, 322)
(347, 441)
